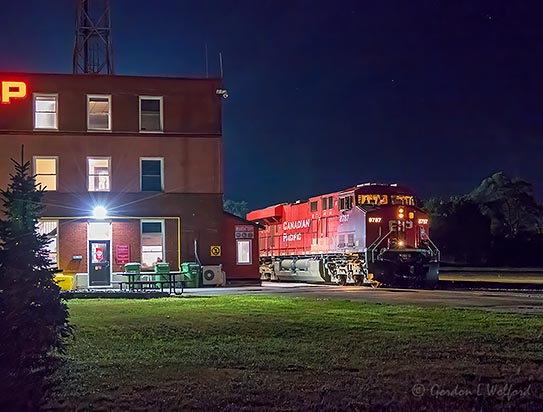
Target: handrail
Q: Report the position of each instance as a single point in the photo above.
(377, 242)
(435, 249)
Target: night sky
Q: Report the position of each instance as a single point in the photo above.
(326, 94)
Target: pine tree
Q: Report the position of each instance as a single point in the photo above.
(34, 324)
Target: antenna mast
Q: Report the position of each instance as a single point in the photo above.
(93, 50)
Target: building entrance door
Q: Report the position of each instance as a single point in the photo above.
(99, 264)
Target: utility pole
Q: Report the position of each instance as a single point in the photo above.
(93, 50)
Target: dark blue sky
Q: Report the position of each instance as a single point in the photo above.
(326, 94)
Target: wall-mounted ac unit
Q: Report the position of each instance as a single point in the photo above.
(213, 275)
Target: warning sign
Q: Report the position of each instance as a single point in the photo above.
(215, 251)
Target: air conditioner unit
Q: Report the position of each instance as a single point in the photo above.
(212, 275)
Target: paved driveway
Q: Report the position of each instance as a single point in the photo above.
(524, 302)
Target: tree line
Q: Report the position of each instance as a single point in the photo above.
(499, 223)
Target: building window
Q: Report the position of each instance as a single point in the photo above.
(151, 175)
(152, 242)
(45, 111)
(49, 229)
(99, 112)
(99, 174)
(314, 206)
(45, 169)
(243, 251)
(151, 119)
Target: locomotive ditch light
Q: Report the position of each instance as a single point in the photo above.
(401, 243)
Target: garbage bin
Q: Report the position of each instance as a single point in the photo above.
(65, 281)
(162, 269)
(191, 273)
(133, 270)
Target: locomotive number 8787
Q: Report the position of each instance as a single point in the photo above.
(369, 234)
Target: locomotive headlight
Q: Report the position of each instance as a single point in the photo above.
(400, 213)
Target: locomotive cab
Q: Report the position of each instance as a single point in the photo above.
(400, 252)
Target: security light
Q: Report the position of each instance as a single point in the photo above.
(99, 212)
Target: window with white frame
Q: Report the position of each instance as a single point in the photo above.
(99, 112)
(152, 242)
(45, 170)
(99, 174)
(151, 119)
(49, 228)
(46, 111)
(151, 174)
(243, 251)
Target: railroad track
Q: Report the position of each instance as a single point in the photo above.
(491, 278)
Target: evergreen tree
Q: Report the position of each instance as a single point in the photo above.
(33, 320)
(236, 208)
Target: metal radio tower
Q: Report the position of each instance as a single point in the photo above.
(93, 51)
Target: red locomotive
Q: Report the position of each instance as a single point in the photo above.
(369, 234)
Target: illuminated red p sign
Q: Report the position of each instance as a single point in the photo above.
(13, 90)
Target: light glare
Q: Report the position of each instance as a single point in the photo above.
(99, 212)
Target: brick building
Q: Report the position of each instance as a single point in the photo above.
(131, 167)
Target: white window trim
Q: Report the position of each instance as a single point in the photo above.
(56, 169)
(238, 241)
(55, 95)
(162, 231)
(161, 98)
(101, 96)
(109, 174)
(57, 261)
(161, 172)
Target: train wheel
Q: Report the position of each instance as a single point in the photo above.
(342, 280)
(358, 280)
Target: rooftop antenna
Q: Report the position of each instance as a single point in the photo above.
(220, 63)
(93, 50)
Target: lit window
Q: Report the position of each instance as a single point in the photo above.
(152, 243)
(99, 174)
(151, 114)
(45, 169)
(49, 228)
(151, 175)
(99, 112)
(45, 111)
(243, 252)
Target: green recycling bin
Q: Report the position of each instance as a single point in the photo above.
(162, 269)
(133, 270)
(190, 271)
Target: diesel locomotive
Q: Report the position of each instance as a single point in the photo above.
(372, 234)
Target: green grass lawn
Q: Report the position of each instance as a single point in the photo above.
(243, 353)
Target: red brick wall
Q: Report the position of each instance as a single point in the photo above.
(72, 241)
(170, 246)
(125, 232)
